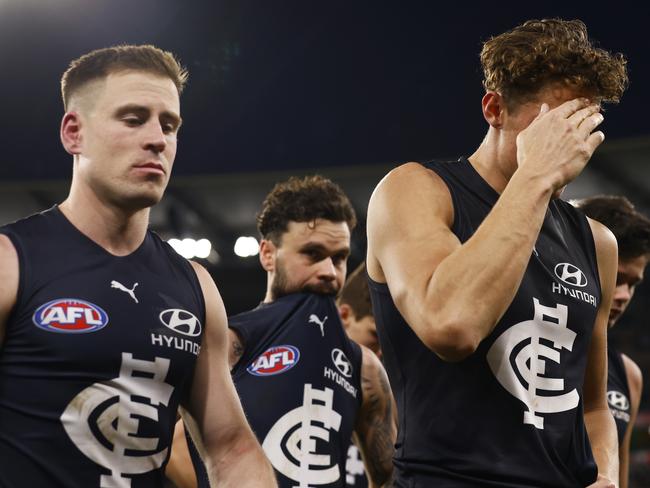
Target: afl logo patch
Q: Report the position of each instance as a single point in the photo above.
(275, 360)
(570, 274)
(181, 321)
(70, 316)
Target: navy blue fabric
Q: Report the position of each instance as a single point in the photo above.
(355, 471)
(490, 420)
(292, 348)
(618, 391)
(91, 374)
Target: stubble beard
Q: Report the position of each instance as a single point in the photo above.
(280, 285)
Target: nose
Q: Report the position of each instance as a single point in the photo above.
(154, 140)
(327, 270)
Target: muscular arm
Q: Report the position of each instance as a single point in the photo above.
(635, 382)
(598, 419)
(444, 289)
(9, 277)
(375, 427)
(232, 454)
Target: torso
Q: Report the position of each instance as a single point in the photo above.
(93, 366)
(511, 413)
(299, 384)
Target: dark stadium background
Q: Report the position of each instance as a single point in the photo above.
(279, 88)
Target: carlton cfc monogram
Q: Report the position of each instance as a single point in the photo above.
(549, 324)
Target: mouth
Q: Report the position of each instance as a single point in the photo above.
(151, 167)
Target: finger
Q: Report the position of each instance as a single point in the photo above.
(543, 108)
(595, 140)
(570, 107)
(580, 115)
(588, 125)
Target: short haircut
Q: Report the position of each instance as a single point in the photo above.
(100, 63)
(303, 200)
(520, 62)
(630, 227)
(356, 294)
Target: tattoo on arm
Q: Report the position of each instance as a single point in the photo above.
(375, 427)
(236, 349)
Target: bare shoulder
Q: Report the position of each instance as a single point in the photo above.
(370, 363)
(8, 256)
(411, 204)
(606, 252)
(215, 312)
(9, 280)
(374, 380)
(202, 274)
(208, 286)
(603, 238)
(633, 373)
(408, 182)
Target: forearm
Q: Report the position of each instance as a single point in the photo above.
(604, 442)
(473, 286)
(226, 464)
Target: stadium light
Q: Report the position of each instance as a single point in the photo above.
(246, 246)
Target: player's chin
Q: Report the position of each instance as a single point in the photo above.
(143, 198)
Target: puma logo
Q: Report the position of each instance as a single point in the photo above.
(121, 287)
(313, 319)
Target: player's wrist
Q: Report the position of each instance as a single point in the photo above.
(534, 184)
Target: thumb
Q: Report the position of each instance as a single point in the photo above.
(543, 108)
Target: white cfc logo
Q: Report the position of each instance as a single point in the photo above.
(550, 324)
(118, 423)
(354, 466)
(296, 434)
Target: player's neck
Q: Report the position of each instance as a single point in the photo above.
(118, 231)
(492, 162)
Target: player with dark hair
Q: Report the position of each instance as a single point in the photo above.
(624, 380)
(105, 330)
(304, 385)
(355, 309)
(491, 295)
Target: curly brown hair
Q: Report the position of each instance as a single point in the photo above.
(303, 200)
(100, 63)
(630, 227)
(520, 62)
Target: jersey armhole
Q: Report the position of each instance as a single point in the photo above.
(21, 274)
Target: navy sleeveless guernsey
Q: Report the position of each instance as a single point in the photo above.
(98, 353)
(299, 381)
(511, 414)
(618, 391)
(355, 476)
